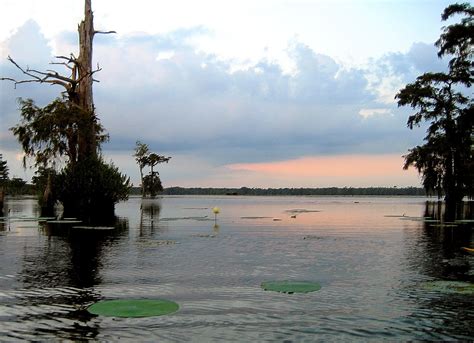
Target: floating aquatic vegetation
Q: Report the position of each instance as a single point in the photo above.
(21, 219)
(442, 225)
(158, 242)
(277, 219)
(64, 221)
(255, 217)
(312, 237)
(421, 219)
(450, 287)
(98, 228)
(204, 218)
(394, 215)
(290, 287)
(43, 219)
(302, 210)
(465, 221)
(202, 235)
(133, 308)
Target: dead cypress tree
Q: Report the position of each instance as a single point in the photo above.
(69, 128)
(83, 142)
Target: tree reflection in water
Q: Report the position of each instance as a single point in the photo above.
(70, 257)
(149, 216)
(433, 253)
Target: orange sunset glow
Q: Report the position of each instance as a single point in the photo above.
(344, 170)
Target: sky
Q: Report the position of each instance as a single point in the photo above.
(256, 93)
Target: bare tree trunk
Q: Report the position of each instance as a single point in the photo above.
(2, 200)
(47, 204)
(87, 143)
(141, 180)
(86, 36)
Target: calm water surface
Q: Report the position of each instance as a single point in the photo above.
(371, 266)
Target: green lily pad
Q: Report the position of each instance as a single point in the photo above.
(133, 308)
(291, 287)
(450, 287)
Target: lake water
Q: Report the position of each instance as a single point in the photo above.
(371, 264)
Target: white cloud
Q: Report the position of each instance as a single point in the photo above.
(369, 112)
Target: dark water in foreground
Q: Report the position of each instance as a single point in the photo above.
(371, 268)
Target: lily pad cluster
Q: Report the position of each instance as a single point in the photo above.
(138, 308)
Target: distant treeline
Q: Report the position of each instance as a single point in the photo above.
(20, 187)
(295, 191)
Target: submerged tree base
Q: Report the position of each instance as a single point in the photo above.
(449, 211)
(90, 189)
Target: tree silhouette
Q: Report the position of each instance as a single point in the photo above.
(141, 154)
(442, 99)
(150, 183)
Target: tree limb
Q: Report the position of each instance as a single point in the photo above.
(104, 32)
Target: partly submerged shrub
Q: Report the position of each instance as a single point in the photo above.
(89, 189)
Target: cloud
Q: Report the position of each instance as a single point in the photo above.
(395, 69)
(368, 112)
(162, 90)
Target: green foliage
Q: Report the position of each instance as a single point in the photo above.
(443, 100)
(449, 287)
(141, 153)
(64, 131)
(40, 182)
(151, 183)
(3, 171)
(17, 186)
(90, 188)
(57, 130)
(457, 40)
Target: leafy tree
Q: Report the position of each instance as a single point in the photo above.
(141, 155)
(441, 99)
(3, 181)
(151, 183)
(53, 132)
(3, 171)
(17, 186)
(68, 130)
(90, 188)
